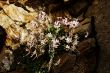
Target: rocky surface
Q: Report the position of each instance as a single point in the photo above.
(101, 10)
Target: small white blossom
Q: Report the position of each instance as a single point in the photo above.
(68, 40)
(67, 47)
(43, 42)
(87, 34)
(42, 50)
(55, 43)
(42, 15)
(76, 36)
(49, 35)
(57, 24)
(65, 21)
(74, 23)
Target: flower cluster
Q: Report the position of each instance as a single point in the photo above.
(57, 35)
(61, 37)
(60, 33)
(43, 35)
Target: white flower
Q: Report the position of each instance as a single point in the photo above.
(42, 50)
(74, 23)
(76, 36)
(55, 43)
(87, 34)
(68, 40)
(49, 35)
(65, 21)
(57, 24)
(42, 15)
(67, 47)
(43, 42)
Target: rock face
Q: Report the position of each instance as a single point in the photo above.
(103, 30)
(83, 60)
(100, 9)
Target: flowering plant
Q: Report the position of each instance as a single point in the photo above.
(37, 36)
(55, 37)
(60, 37)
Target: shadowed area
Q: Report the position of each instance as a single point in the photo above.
(2, 37)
